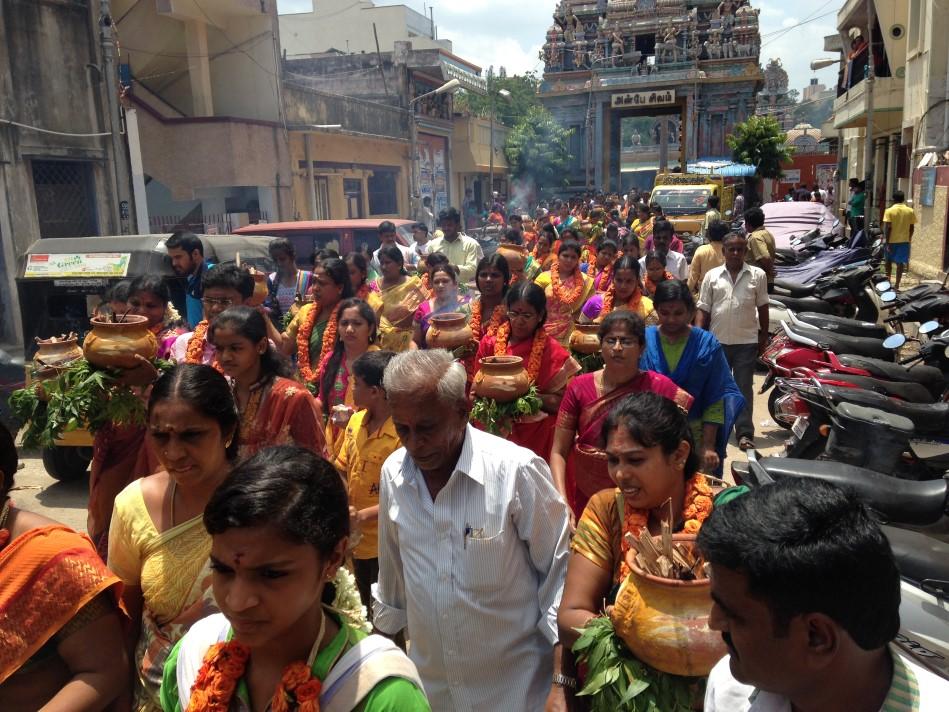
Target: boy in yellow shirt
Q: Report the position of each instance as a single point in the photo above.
(369, 439)
(899, 223)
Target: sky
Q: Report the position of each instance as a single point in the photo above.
(510, 33)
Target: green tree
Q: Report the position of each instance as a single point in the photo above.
(537, 149)
(523, 89)
(761, 143)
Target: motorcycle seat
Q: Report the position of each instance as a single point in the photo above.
(913, 392)
(803, 304)
(927, 418)
(918, 557)
(843, 325)
(897, 500)
(793, 289)
(844, 344)
(928, 376)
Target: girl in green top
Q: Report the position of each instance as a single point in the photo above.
(280, 530)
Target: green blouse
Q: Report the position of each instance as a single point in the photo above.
(715, 413)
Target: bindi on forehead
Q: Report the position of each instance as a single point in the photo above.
(238, 557)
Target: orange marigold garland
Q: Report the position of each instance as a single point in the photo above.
(651, 286)
(605, 275)
(566, 296)
(194, 352)
(695, 510)
(363, 291)
(303, 342)
(498, 317)
(537, 349)
(426, 282)
(632, 304)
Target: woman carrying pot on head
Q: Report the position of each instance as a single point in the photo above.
(157, 542)
(63, 643)
(549, 365)
(694, 359)
(279, 533)
(577, 460)
(401, 295)
(567, 290)
(444, 300)
(356, 335)
(651, 463)
(289, 286)
(274, 409)
(625, 292)
(312, 333)
(359, 277)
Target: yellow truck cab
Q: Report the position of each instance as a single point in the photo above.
(684, 199)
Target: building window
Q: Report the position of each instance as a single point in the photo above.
(65, 199)
(383, 197)
(352, 191)
(917, 26)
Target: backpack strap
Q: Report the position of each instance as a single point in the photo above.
(192, 649)
(362, 667)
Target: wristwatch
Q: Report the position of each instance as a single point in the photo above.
(564, 681)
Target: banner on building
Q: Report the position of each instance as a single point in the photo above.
(635, 99)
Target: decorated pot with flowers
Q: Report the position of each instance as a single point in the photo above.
(447, 331)
(501, 378)
(664, 622)
(116, 344)
(585, 339)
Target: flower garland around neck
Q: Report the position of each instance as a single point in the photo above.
(537, 349)
(632, 304)
(497, 318)
(605, 274)
(695, 510)
(564, 295)
(303, 342)
(651, 286)
(194, 353)
(426, 282)
(363, 291)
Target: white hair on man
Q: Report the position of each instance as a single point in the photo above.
(412, 373)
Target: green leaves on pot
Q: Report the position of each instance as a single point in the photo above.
(497, 418)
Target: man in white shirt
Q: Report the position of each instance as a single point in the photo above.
(387, 237)
(676, 263)
(733, 305)
(462, 251)
(473, 549)
(806, 594)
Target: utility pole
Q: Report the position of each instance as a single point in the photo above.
(868, 149)
(119, 159)
(491, 153)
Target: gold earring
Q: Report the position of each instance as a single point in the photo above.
(228, 442)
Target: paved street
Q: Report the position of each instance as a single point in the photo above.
(66, 501)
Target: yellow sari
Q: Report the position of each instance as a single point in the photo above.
(560, 317)
(399, 303)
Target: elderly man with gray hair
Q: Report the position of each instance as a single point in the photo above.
(473, 549)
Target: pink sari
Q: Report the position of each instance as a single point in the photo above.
(582, 412)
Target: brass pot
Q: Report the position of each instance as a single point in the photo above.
(114, 345)
(664, 622)
(501, 378)
(447, 331)
(585, 339)
(261, 291)
(516, 256)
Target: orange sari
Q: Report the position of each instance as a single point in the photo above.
(47, 576)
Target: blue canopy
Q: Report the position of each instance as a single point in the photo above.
(725, 168)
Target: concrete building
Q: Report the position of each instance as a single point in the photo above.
(207, 126)
(352, 27)
(691, 60)
(815, 91)
(471, 159)
(58, 170)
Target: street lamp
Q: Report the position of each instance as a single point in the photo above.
(823, 63)
(506, 95)
(451, 86)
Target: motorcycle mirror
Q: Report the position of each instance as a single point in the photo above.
(929, 327)
(888, 297)
(894, 341)
(883, 286)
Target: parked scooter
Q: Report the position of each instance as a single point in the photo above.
(847, 293)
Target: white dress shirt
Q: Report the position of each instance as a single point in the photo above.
(676, 265)
(464, 252)
(733, 305)
(408, 255)
(475, 576)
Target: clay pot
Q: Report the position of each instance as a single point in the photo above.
(114, 345)
(447, 331)
(516, 256)
(665, 622)
(584, 338)
(501, 378)
(53, 356)
(261, 291)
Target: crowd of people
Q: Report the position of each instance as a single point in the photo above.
(309, 472)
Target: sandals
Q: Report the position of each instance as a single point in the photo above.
(746, 443)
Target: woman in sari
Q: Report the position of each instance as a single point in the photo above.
(274, 410)
(356, 336)
(444, 300)
(642, 225)
(542, 254)
(694, 359)
(651, 462)
(312, 332)
(656, 272)
(158, 546)
(359, 278)
(279, 534)
(488, 312)
(599, 265)
(401, 296)
(567, 290)
(625, 292)
(61, 643)
(549, 365)
(149, 297)
(577, 461)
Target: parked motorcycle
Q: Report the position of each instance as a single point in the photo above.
(846, 293)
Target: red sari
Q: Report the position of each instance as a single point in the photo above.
(582, 412)
(557, 367)
(281, 413)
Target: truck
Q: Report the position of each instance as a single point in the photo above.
(684, 199)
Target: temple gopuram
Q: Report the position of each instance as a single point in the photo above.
(692, 65)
